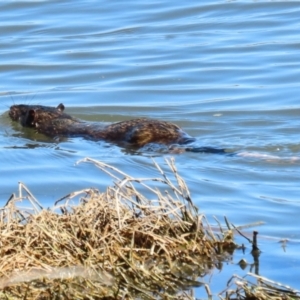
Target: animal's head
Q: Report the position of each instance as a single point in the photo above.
(31, 115)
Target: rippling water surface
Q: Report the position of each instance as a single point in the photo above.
(225, 71)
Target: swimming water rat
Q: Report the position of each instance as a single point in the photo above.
(53, 121)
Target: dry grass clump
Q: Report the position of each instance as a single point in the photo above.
(263, 289)
(141, 238)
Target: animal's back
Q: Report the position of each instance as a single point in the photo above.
(143, 131)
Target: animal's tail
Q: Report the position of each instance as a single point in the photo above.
(206, 150)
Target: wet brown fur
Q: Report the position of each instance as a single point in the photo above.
(53, 121)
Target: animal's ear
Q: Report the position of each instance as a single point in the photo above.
(60, 107)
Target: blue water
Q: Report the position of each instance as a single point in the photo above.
(225, 71)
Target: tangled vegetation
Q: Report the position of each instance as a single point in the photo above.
(142, 238)
(260, 288)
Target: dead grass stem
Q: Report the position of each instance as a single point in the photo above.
(141, 238)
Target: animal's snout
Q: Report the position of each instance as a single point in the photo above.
(12, 113)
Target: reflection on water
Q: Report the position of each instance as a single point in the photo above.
(226, 72)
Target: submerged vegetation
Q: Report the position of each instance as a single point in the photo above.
(142, 238)
(260, 289)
